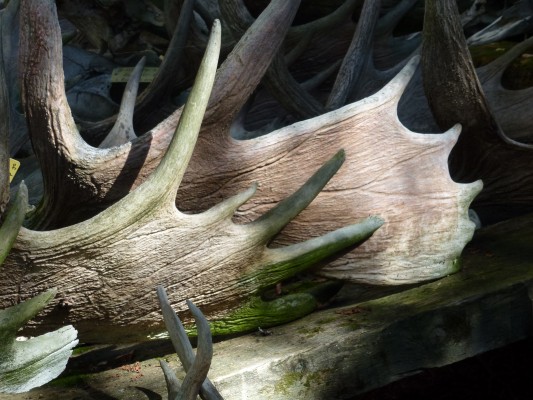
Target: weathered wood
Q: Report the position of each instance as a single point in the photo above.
(339, 352)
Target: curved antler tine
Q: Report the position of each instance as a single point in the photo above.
(299, 49)
(13, 318)
(163, 81)
(13, 221)
(227, 208)
(387, 23)
(172, 381)
(341, 14)
(287, 91)
(290, 260)
(241, 72)
(357, 56)
(175, 329)
(393, 90)
(496, 68)
(197, 373)
(165, 180)
(321, 77)
(182, 345)
(276, 218)
(43, 89)
(442, 29)
(122, 131)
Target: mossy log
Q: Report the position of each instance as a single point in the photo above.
(347, 350)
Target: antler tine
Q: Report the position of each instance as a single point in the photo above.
(160, 87)
(497, 67)
(300, 255)
(389, 21)
(245, 61)
(12, 319)
(356, 57)
(123, 131)
(165, 180)
(13, 221)
(183, 347)
(276, 218)
(342, 13)
(172, 381)
(321, 77)
(202, 362)
(291, 95)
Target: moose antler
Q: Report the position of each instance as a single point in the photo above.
(390, 171)
(106, 267)
(455, 95)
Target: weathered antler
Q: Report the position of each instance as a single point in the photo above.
(195, 366)
(106, 267)
(511, 108)
(390, 171)
(455, 95)
(30, 363)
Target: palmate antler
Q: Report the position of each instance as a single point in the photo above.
(105, 268)
(455, 94)
(390, 171)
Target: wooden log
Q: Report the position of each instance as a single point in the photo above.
(340, 352)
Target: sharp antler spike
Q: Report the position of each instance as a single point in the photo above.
(227, 208)
(301, 255)
(167, 177)
(356, 57)
(276, 218)
(182, 345)
(395, 88)
(171, 380)
(123, 131)
(13, 318)
(245, 62)
(197, 373)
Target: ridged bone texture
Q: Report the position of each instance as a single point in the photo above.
(119, 255)
(106, 268)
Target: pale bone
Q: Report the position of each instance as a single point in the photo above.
(108, 266)
(390, 171)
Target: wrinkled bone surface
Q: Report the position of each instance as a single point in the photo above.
(389, 171)
(107, 267)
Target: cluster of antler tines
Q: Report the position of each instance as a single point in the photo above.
(196, 366)
(140, 239)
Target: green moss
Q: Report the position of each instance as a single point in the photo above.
(518, 75)
(305, 379)
(309, 332)
(79, 350)
(69, 381)
(258, 313)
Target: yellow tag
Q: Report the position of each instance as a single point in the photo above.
(13, 168)
(122, 74)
